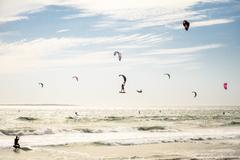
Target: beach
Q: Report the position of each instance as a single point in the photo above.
(62, 132)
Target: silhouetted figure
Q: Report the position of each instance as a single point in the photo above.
(16, 144)
(223, 113)
(122, 88)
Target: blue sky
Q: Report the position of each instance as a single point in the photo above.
(51, 41)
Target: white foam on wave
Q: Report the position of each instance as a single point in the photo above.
(29, 131)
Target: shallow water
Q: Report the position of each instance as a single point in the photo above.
(44, 126)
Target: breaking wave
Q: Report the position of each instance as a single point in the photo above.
(31, 131)
(87, 130)
(27, 118)
(234, 123)
(151, 128)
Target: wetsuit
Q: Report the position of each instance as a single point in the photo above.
(16, 144)
(122, 89)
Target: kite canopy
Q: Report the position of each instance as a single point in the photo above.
(119, 55)
(124, 78)
(225, 86)
(186, 25)
(75, 77)
(167, 74)
(41, 84)
(195, 94)
(139, 91)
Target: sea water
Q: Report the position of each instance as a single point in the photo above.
(59, 125)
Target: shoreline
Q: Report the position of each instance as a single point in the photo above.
(211, 149)
(151, 107)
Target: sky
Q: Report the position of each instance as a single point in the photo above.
(50, 41)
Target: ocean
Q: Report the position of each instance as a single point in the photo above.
(44, 126)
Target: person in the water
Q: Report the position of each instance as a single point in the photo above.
(16, 144)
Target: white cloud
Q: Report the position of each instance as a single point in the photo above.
(54, 45)
(22, 56)
(129, 46)
(63, 30)
(211, 22)
(43, 52)
(80, 15)
(133, 9)
(164, 18)
(146, 11)
(187, 50)
(204, 23)
(13, 10)
(9, 33)
(159, 62)
(11, 19)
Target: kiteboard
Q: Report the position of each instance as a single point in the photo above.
(25, 148)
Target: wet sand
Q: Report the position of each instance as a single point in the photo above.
(212, 149)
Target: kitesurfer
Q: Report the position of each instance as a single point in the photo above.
(122, 88)
(16, 144)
